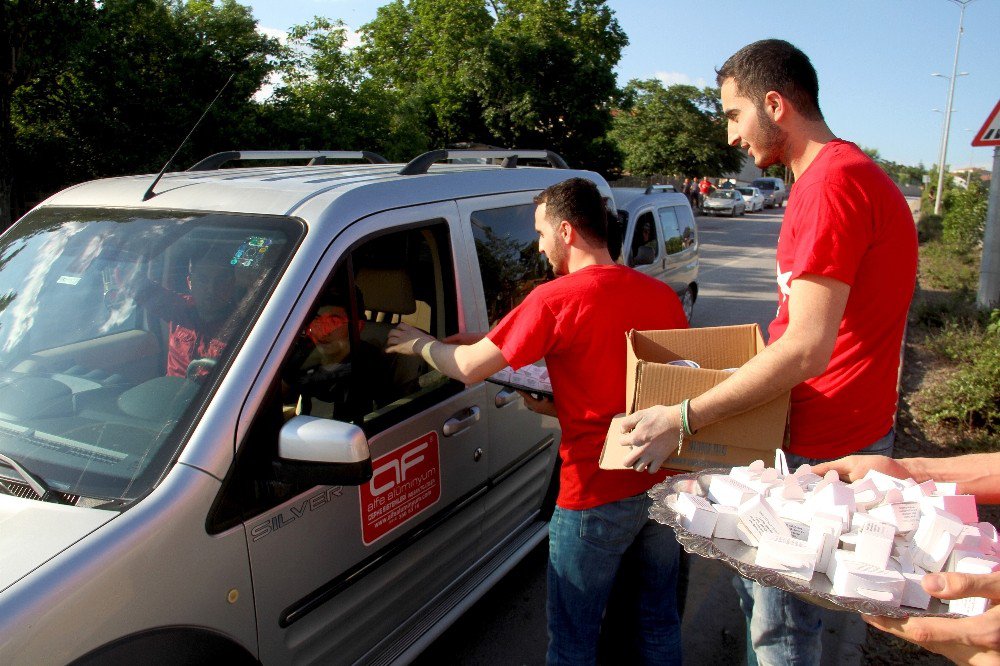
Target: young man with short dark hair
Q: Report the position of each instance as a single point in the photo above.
(577, 323)
(846, 269)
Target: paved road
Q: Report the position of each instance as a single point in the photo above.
(508, 625)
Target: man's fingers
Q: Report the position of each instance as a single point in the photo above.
(957, 585)
(923, 630)
(632, 458)
(629, 422)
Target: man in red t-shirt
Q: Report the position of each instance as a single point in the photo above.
(846, 269)
(577, 323)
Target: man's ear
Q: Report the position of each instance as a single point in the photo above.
(775, 105)
(566, 232)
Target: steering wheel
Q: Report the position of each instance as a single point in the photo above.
(197, 365)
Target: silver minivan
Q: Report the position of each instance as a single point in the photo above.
(205, 452)
(660, 238)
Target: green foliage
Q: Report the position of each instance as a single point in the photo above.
(134, 83)
(966, 338)
(971, 396)
(929, 227)
(674, 130)
(547, 78)
(965, 216)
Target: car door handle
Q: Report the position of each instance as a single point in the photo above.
(505, 397)
(461, 421)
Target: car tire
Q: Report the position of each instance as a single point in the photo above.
(687, 303)
(732, 213)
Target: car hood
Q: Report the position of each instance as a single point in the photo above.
(33, 532)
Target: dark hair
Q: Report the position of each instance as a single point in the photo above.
(578, 201)
(774, 64)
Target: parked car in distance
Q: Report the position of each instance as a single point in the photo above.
(754, 199)
(725, 202)
(281, 490)
(657, 235)
(774, 190)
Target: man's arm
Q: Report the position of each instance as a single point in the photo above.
(466, 363)
(976, 474)
(816, 308)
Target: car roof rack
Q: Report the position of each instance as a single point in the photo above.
(421, 163)
(315, 157)
(655, 187)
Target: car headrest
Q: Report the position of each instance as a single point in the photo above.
(387, 290)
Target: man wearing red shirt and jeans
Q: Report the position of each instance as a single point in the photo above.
(577, 323)
(846, 268)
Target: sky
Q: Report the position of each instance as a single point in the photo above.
(874, 58)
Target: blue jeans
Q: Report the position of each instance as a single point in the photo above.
(585, 550)
(783, 629)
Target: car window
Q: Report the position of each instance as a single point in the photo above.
(645, 236)
(509, 260)
(115, 328)
(339, 368)
(685, 221)
(746, 191)
(673, 238)
(764, 184)
(722, 194)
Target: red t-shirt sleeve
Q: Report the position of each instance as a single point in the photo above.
(527, 333)
(836, 233)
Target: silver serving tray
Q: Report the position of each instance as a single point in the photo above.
(740, 557)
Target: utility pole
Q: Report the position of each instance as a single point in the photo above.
(947, 111)
(988, 296)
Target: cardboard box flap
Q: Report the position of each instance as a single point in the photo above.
(715, 348)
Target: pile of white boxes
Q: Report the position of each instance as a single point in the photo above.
(874, 538)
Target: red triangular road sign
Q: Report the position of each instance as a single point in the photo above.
(989, 135)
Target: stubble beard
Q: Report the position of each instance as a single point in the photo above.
(770, 141)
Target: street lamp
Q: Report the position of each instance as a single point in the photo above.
(947, 113)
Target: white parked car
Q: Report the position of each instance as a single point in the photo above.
(754, 199)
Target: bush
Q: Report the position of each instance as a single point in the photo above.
(949, 267)
(965, 218)
(929, 227)
(971, 395)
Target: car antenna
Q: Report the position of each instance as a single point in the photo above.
(149, 193)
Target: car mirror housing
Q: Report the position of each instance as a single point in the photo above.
(322, 452)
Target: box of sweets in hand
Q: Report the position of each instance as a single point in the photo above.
(653, 380)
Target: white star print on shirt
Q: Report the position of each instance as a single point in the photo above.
(784, 284)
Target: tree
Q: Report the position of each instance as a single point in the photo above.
(674, 130)
(325, 101)
(139, 76)
(528, 73)
(35, 35)
(548, 80)
(425, 54)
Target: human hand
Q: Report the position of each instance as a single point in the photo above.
(544, 406)
(464, 338)
(853, 468)
(654, 433)
(968, 640)
(407, 340)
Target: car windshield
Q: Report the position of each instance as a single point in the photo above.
(746, 191)
(115, 327)
(722, 194)
(763, 185)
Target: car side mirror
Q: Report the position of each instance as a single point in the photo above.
(322, 452)
(643, 256)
